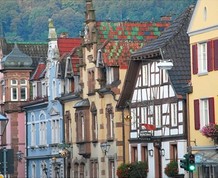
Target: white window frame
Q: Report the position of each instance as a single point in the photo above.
(109, 75)
(55, 130)
(44, 93)
(43, 133)
(204, 112)
(83, 128)
(202, 57)
(111, 120)
(25, 93)
(145, 75)
(174, 114)
(33, 134)
(33, 171)
(165, 75)
(158, 116)
(14, 82)
(14, 90)
(95, 126)
(23, 83)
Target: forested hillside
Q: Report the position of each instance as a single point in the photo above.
(27, 20)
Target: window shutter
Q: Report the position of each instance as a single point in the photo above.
(211, 110)
(194, 59)
(196, 114)
(209, 56)
(216, 55)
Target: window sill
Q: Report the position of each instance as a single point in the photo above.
(202, 73)
(53, 145)
(43, 146)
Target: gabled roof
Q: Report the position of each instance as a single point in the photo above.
(39, 72)
(68, 47)
(174, 42)
(168, 35)
(124, 38)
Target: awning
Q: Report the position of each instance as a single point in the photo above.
(207, 157)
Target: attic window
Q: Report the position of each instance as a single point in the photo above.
(205, 13)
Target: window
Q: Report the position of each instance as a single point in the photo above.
(174, 115)
(134, 154)
(23, 93)
(33, 134)
(68, 135)
(81, 126)
(23, 82)
(173, 152)
(69, 85)
(42, 130)
(43, 170)
(14, 90)
(165, 76)
(82, 171)
(205, 13)
(33, 171)
(110, 121)
(111, 168)
(204, 112)
(158, 115)
(144, 154)
(44, 91)
(112, 74)
(55, 131)
(76, 170)
(94, 126)
(155, 76)
(91, 81)
(94, 168)
(202, 57)
(145, 75)
(39, 89)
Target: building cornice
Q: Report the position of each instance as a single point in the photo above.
(202, 30)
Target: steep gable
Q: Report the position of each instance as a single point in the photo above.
(203, 17)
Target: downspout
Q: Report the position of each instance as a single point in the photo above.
(123, 132)
(26, 143)
(63, 131)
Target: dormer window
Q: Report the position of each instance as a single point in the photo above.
(112, 74)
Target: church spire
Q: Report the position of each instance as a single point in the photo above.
(52, 35)
(90, 12)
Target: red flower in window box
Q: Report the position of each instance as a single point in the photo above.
(210, 131)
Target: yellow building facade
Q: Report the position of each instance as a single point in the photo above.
(203, 101)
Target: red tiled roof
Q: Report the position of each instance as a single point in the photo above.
(125, 38)
(65, 45)
(39, 71)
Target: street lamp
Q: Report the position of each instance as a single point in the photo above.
(105, 147)
(3, 124)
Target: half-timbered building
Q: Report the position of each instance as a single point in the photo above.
(154, 93)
